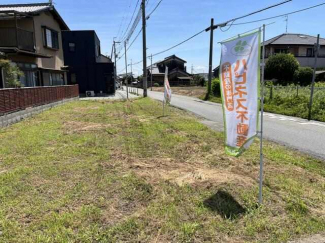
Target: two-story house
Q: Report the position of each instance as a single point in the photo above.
(177, 73)
(30, 37)
(300, 45)
(88, 68)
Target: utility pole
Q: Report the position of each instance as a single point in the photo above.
(144, 39)
(211, 56)
(314, 77)
(115, 71)
(126, 73)
(287, 22)
(151, 72)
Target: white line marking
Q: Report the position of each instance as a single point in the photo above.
(312, 123)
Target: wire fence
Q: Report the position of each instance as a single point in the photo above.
(284, 92)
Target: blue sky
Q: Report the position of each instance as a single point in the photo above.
(175, 20)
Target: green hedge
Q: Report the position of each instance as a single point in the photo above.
(281, 67)
(303, 76)
(216, 87)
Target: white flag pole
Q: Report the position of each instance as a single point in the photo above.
(164, 93)
(262, 113)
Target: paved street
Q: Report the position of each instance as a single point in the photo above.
(300, 134)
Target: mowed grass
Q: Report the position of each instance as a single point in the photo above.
(119, 172)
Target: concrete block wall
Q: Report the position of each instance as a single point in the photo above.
(18, 116)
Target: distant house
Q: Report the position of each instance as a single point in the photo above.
(216, 72)
(30, 37)
(203, 75)
(177, 73)
(88, 68)
(300, 45)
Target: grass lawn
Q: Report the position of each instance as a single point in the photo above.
(119, 172)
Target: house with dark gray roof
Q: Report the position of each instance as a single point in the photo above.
(300, 45)
(177, 73)
(30, 37)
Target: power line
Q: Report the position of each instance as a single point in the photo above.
(120, 32)
(224, 24)
(232, 23)
(131, 44)
(148, 17)
(247, 15)
(188, 39)
(168, 49)
(134, 26)
(136, 6)
(282, 15)
(141, 28)
(245, 33)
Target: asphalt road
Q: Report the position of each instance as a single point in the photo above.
(296, 133)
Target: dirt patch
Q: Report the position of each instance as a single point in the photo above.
(312, 239)
(186, 173)
(79, 127)
(83, 109)
(187, 91)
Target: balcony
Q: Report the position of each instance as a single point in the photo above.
(16, 37)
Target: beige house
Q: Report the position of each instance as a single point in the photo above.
(30, 36)
(300, 45)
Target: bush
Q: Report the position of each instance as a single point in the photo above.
(216, 87)
(155, 85)
(11, 74)
(303, 76)
(320, 77)
(198, 80)
(281, 67)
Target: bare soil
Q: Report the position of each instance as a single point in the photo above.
(195, 91)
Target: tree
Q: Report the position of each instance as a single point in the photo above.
(11, 74)
(282, 68)
(198, 80)
(303, 76)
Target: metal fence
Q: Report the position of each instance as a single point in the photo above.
(273, 92)
(12, 100)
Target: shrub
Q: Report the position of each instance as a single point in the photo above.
(11, 74)
(303, 76)
(320, 77)
(281, 67)
(156, 85)
(199, 80)
(216, 87)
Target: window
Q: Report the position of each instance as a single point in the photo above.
(51, 38)
(276, 51)
(72, 47)
(56, 79)
(310, 52)
(30, 77)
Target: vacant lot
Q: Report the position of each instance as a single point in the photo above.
(193, 91)
(119, 172)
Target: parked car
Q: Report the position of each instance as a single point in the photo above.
(135, 83)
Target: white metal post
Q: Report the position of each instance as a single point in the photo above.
(262, 113)
(151, 72)
(313, 80)
(126, 73)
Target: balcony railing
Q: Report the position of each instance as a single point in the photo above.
(12, 37)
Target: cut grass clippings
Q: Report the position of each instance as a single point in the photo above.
(119, 172)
